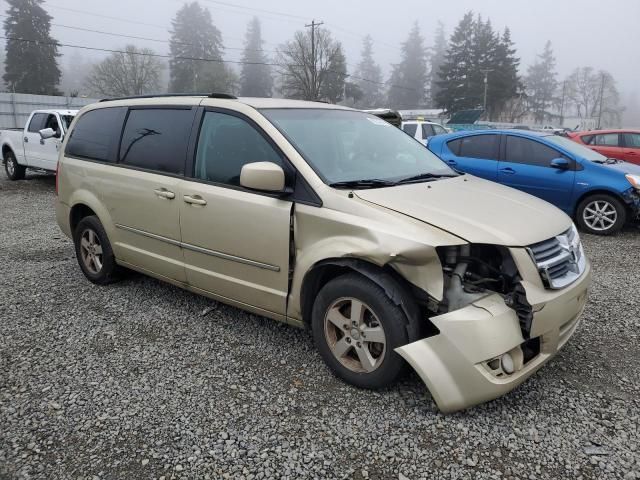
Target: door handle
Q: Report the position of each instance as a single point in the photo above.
(164, 193)
(507, 171)
(195, 200)
(452, 162)
(42, 141)
(26, 139)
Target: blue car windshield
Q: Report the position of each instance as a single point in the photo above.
(575, 148)
(348, 146)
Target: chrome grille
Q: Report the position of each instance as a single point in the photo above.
(560, 260)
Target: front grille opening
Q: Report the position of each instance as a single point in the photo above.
(531, 349)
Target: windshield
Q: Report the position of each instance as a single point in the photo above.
(575, 148)
(347, 146)
(66, 119)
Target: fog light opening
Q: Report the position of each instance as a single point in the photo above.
(507, 363)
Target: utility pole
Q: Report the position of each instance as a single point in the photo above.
(600, 106)
(314, 73)
(564, 92)
(486, 85)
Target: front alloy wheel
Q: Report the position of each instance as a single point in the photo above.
(601, 215)
(354, 335)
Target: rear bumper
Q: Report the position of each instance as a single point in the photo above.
(62, 217)
(455, 364)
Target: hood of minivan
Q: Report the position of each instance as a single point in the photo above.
(477, 210)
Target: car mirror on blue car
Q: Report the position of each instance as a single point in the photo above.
(560, 163)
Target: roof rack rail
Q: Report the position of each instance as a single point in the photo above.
(165, 95)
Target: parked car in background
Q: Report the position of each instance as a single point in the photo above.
(601, 194)
(620, 144)
(37, 144)
(423, 130)
(330, 218)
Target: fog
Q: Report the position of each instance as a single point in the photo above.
(604, 35)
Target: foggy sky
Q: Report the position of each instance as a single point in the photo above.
(598, 33)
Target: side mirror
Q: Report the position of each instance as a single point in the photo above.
(560, 163)
(262, 176)
(47, 133)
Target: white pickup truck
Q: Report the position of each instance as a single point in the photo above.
(35, 146)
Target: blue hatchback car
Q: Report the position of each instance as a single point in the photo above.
(600, 193)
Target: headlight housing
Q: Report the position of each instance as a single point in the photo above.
(633, 180)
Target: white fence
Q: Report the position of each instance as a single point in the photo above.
(15, 108)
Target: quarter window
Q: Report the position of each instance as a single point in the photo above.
(438, 130)
(96, 134)
(37, 122)
(530, 152)
(157, 139)
(226, 144)
(427, 130)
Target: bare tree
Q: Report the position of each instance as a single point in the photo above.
(585, 87)
(305, 68)
(131, 72)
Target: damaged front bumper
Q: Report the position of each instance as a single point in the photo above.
(461, 365)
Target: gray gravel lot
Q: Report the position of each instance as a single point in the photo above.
(143, 380)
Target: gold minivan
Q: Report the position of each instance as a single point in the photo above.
(330, 219)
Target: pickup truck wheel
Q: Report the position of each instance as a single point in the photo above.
(601, 215)
(356, 328)
(94, 252)
(14, 170)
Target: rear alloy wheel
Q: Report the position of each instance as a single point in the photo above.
(14, 170)
(94, 253)
(356, 327)
(601, 215)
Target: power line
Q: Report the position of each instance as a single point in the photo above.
(135, 37)
(93, 14)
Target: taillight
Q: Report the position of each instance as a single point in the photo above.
(58, 167)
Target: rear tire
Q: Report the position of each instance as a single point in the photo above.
(356, 328)
(601, 214)
(94, 253)
(14, 170)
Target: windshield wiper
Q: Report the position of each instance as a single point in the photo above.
(425, 176)
(365, 183)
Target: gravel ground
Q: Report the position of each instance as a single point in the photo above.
(143, 380)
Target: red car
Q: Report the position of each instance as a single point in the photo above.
(620, 144)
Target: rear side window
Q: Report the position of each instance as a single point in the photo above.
(37, 122)
(476, 146)
(632, 140)
(529, 152)
(410, 128)
(427, 130)
(96, 134)
(157, 139)
(606, 140)
(226, 144)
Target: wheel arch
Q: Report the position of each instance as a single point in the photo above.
(399, 290)
(82, 203)
(597, 191)
(6, 148)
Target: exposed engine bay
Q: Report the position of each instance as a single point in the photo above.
(473, 271)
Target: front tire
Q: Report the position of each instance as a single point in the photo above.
(601, 215)
(356, 328)
(14, 170)
(94, 253)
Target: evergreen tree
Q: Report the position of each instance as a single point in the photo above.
(409, 79)
(30, 66)
(333, 82)
(369, 77)
(454, 80)
(542, 84)
(255, 77)
(196, 53)
(437, 59)
(505, 82)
